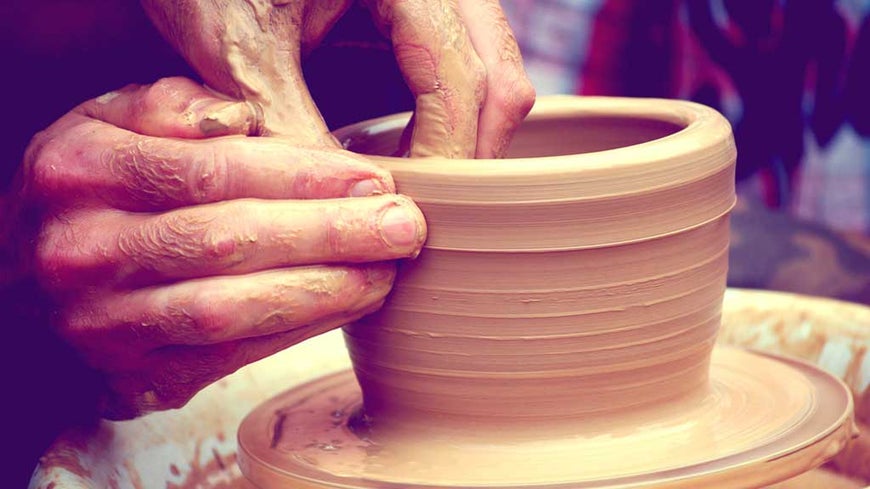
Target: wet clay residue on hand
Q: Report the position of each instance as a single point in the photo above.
(262, 46)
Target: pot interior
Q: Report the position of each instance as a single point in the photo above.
(545, 135)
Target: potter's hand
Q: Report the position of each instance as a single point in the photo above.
(461, 61)
(173, 262)
(459, 58)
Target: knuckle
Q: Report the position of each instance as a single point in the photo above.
(43, 163)
(197, 317)
(156, 96)
(209, 317)
(58, 257)
(515, 99)
(35, 147)
(59, 166)
(209, 176)
(524, 97)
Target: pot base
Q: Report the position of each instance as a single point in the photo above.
(762, 419)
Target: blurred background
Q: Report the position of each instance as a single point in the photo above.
(792, 76)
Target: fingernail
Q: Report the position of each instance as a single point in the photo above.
(366, 188)
(399, 227)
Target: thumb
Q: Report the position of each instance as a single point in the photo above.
(249, 50)
(173, 107)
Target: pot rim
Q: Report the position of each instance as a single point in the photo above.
(702, 147)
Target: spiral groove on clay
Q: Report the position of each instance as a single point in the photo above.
(592, 290)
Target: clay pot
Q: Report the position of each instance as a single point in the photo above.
(585, 274)
(558, 328)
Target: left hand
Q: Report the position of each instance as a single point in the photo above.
(170, 250)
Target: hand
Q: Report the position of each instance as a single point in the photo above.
(458, 57)
(176, 250)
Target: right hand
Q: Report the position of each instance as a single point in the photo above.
(174, 256)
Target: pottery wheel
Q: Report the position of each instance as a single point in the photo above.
(761, 419)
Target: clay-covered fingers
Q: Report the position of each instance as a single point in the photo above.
(174, 107)
(308, 300)
(217, 326)
(442, 69)
(251, 50)
(117, 168)
(119, 249)
(509, 93)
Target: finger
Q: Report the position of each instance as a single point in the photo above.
(509, 94)
(250, 51)
(173, 107)
(98, 163)
(220, 309)
(442, 70)
(175, 374)
(229, 238)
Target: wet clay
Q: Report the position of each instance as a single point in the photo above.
(583, 275)
(558, 328)
(261, 45)
(722, 438)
